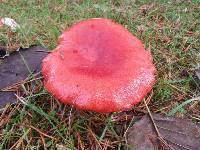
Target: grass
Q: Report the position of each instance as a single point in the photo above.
(170, 29)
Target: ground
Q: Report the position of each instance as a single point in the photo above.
(169, 29)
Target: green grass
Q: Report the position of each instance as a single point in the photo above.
(171, 32)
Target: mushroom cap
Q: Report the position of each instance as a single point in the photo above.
(99, 65)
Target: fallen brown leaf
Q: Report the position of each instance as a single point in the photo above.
(180, 134)
(15, 68)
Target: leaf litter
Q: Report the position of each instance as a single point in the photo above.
(179, 134)
(17, 69)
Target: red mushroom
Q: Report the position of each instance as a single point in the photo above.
(98, 65)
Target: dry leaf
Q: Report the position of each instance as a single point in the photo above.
(16, 68)
(180, 134)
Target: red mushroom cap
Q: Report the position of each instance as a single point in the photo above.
(99, 65)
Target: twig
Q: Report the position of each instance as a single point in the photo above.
(40, 132)
(155, 126)
(21, 99)
(79, 141)
(17, 144)
(44, 51)
(70, 115)
(3, 112)
(12, 87)
(128, 129)
(106, 144)
(43, 142)
(98, 146)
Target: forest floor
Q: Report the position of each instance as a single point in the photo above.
(169, 29)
